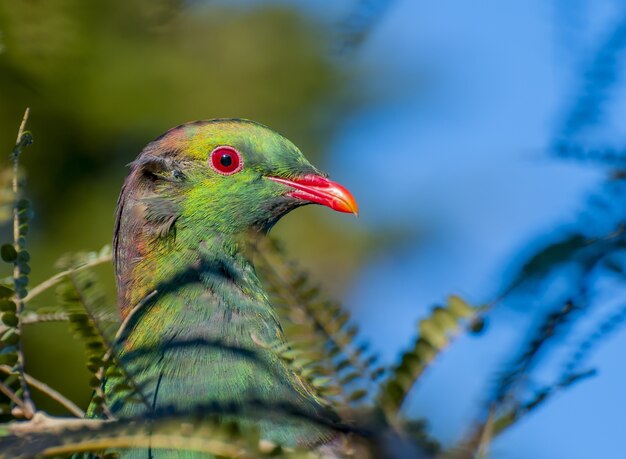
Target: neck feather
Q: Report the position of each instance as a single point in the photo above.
(204, 336)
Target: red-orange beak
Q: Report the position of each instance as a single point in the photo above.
(320, 190)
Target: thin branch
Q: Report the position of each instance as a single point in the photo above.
(133, 312)
(21, 130)
(50, 392)
(30, 318)
(28, 407)
(42, 423)
(6, 390)
(45, 435)
(159, 441)
(486, 436)
(54, 280)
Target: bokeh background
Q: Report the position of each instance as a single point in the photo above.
(473, 134)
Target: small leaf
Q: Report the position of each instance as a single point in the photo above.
(6, 292)
(21, 282)
(113, 371)
(345, 363)
(320, 381)
(459, 307)
(429, 331)
(96, 360)
(11, 337)
(122, 387)
(93, 368)
(444, 319)
(425, 351)
(24, 268)
(377, 373)
(349, 378)
(394, 392)
(23, 204)
(25, 215)
(8, 359)
(12, 379)
(77, 317)
(7, 305)
(357, 395)
(10, 319)
(8, 253)
(25, 140)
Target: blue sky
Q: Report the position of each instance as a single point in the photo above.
(469, 96)
(467, 148)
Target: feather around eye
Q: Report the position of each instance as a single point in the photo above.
(157, 167)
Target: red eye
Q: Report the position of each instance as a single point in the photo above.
(226, 160)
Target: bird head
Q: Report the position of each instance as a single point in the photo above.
(228, 176)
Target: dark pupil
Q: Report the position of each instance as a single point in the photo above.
(226, 160)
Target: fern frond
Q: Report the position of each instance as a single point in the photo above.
(85, 304)
(318, 327)
(435, 333)
(602, 331)
(518, 370)
(509, 417)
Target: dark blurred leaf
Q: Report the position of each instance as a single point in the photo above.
(8, 252)
(546, 259)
